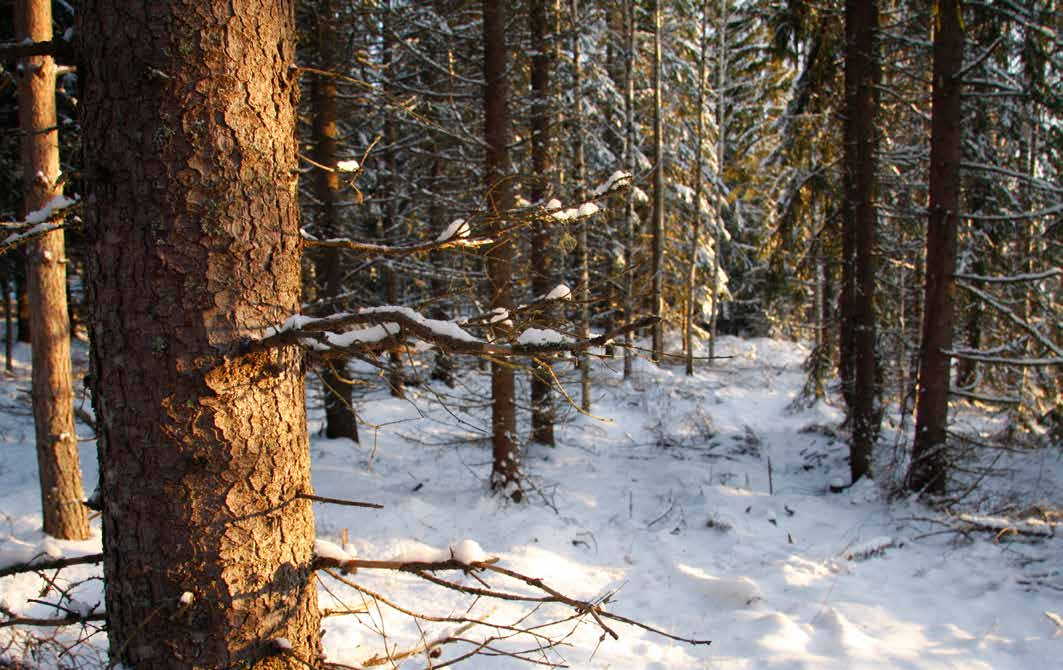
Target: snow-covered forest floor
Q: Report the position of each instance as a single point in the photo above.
(663, 503)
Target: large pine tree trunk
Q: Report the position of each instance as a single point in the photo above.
(542, 258)
(340, 420)
(53, 397)
(929, 467)
(505, 472)
(188, 118)
(858, 267)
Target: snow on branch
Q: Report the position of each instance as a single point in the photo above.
(1004, 360)
(373, 249)
(374, 328)
(1015, 318)
(1013, 279)
(71, 619)
(38, 222)
(1005, 526)
(459, 232)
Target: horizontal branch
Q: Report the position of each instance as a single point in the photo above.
(1004, 360)
(390, 323)
(53, 564)
(373, 249)
(996, 400)
(353, 564)
(37, 223)
(1004, 526)
(338, 501)
(1034, 214)
(1012, 279)
(55, 48)
(15, 239)
(458, 233)
(70, 620)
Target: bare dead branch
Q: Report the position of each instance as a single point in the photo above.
(424, 570)
(338, 501)
(59, 49)
(69, 620)
(53, 564)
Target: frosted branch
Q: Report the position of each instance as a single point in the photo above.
(392, 324)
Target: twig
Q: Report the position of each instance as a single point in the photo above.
(338, 501)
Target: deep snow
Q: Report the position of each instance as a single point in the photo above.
(663, 500)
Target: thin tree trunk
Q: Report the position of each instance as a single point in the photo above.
(929, 468)
(858, 315)
(396, 379)
(699, 187)
(340, 419)
(505, 472)
(721, 149)
(657, 262)
(22, 302)
(53, 397)
(629, 206)
(580, 178)
(443, 365)
(9, 335)
(192, 222)
(542, 260)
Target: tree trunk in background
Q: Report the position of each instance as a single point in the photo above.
(629, 156)
(721, 153)
(53, 397)
(9, 335)
(340, 419)
(929, 467)
(22, 301)
(443, 364)
(396, 378)
(657, 266)
(699, 188)
(859, 220)
(579, 176)
(542, 265)
(192, 223)
(505, 472)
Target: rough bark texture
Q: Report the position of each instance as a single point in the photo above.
(542, 258)
(657, 260)
(53, 398)
(505, 471)
(858, 267)
(188, 120)
(340, 420)
(929, 467)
